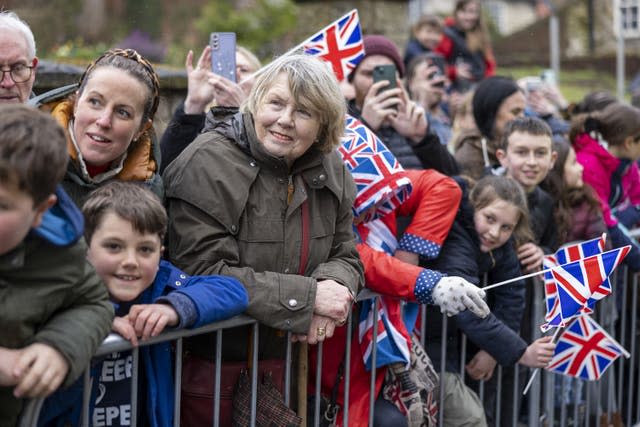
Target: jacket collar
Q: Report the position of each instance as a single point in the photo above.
(316, 168)
(15, 258)
(587, 144)
(139, 163)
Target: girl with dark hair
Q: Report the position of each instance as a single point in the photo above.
(577, 212)
(607, 144)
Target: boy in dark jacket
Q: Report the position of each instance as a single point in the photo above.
(125, 227)
(55, 310)
(526, 154)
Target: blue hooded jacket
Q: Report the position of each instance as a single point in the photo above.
(62, 224)
(214, 298)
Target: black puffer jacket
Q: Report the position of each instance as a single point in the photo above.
(497, 334)
(540, 205)
(427, 154)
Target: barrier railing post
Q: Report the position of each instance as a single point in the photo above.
(498, 395)
(254, 374)
(287, 371)
(516, 395)
(576, 395)
(374, 355)
(134, 386)
(86, 397)
(563, 402)
(623, 327)
(30, 412)
(463, 356)
(548, 395)
(316, 407)
(443, 368)
(347, 371)
(632, 360)
(178, 384)
(216, 379)
(588, 406)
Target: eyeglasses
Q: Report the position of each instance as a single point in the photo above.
(19, 73)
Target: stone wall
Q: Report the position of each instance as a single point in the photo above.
(173, 86)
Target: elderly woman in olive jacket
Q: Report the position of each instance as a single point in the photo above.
(264, 197)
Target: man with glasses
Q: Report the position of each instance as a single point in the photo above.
(18, 59)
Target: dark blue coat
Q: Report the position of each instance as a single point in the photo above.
(497, 334)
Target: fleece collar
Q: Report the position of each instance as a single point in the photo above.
(137, 164)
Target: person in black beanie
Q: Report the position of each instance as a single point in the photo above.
(496, 101)
(399, 122)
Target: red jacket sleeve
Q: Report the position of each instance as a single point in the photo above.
(433, 205)
(445, 48)
(388, 275)
(490, 64)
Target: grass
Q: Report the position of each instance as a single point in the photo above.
(574, 84)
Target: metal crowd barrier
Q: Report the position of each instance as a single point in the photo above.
(553, 400)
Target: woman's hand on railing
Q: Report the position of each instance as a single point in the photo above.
(321, 328)
(333, 300)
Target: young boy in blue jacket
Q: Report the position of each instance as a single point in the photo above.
(125, 225)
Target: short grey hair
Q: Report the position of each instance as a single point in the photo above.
(9, 20)
(310, 79)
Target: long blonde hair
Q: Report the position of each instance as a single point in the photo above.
(477, 38)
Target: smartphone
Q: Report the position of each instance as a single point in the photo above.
(385, 72)
(438, 61)
(435, 75)
(534, 84)
(548, 76)
(223, 54)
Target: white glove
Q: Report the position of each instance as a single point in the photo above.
(455, 294)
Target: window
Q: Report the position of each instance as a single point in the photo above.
(629, 18)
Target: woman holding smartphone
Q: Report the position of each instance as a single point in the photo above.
(203, 89)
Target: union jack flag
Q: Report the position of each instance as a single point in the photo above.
(371, 164)
(584, 350)
(577, 281)
(564, 255)
(340, 44)
(392, 341)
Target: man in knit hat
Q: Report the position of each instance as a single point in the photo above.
(496, 101)
(399, 122)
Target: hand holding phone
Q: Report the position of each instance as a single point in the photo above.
(385, 72)
(223, 54)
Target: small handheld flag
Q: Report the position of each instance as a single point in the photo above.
(585, 350)
(577, 281)
(564, 255)
(340, 44)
